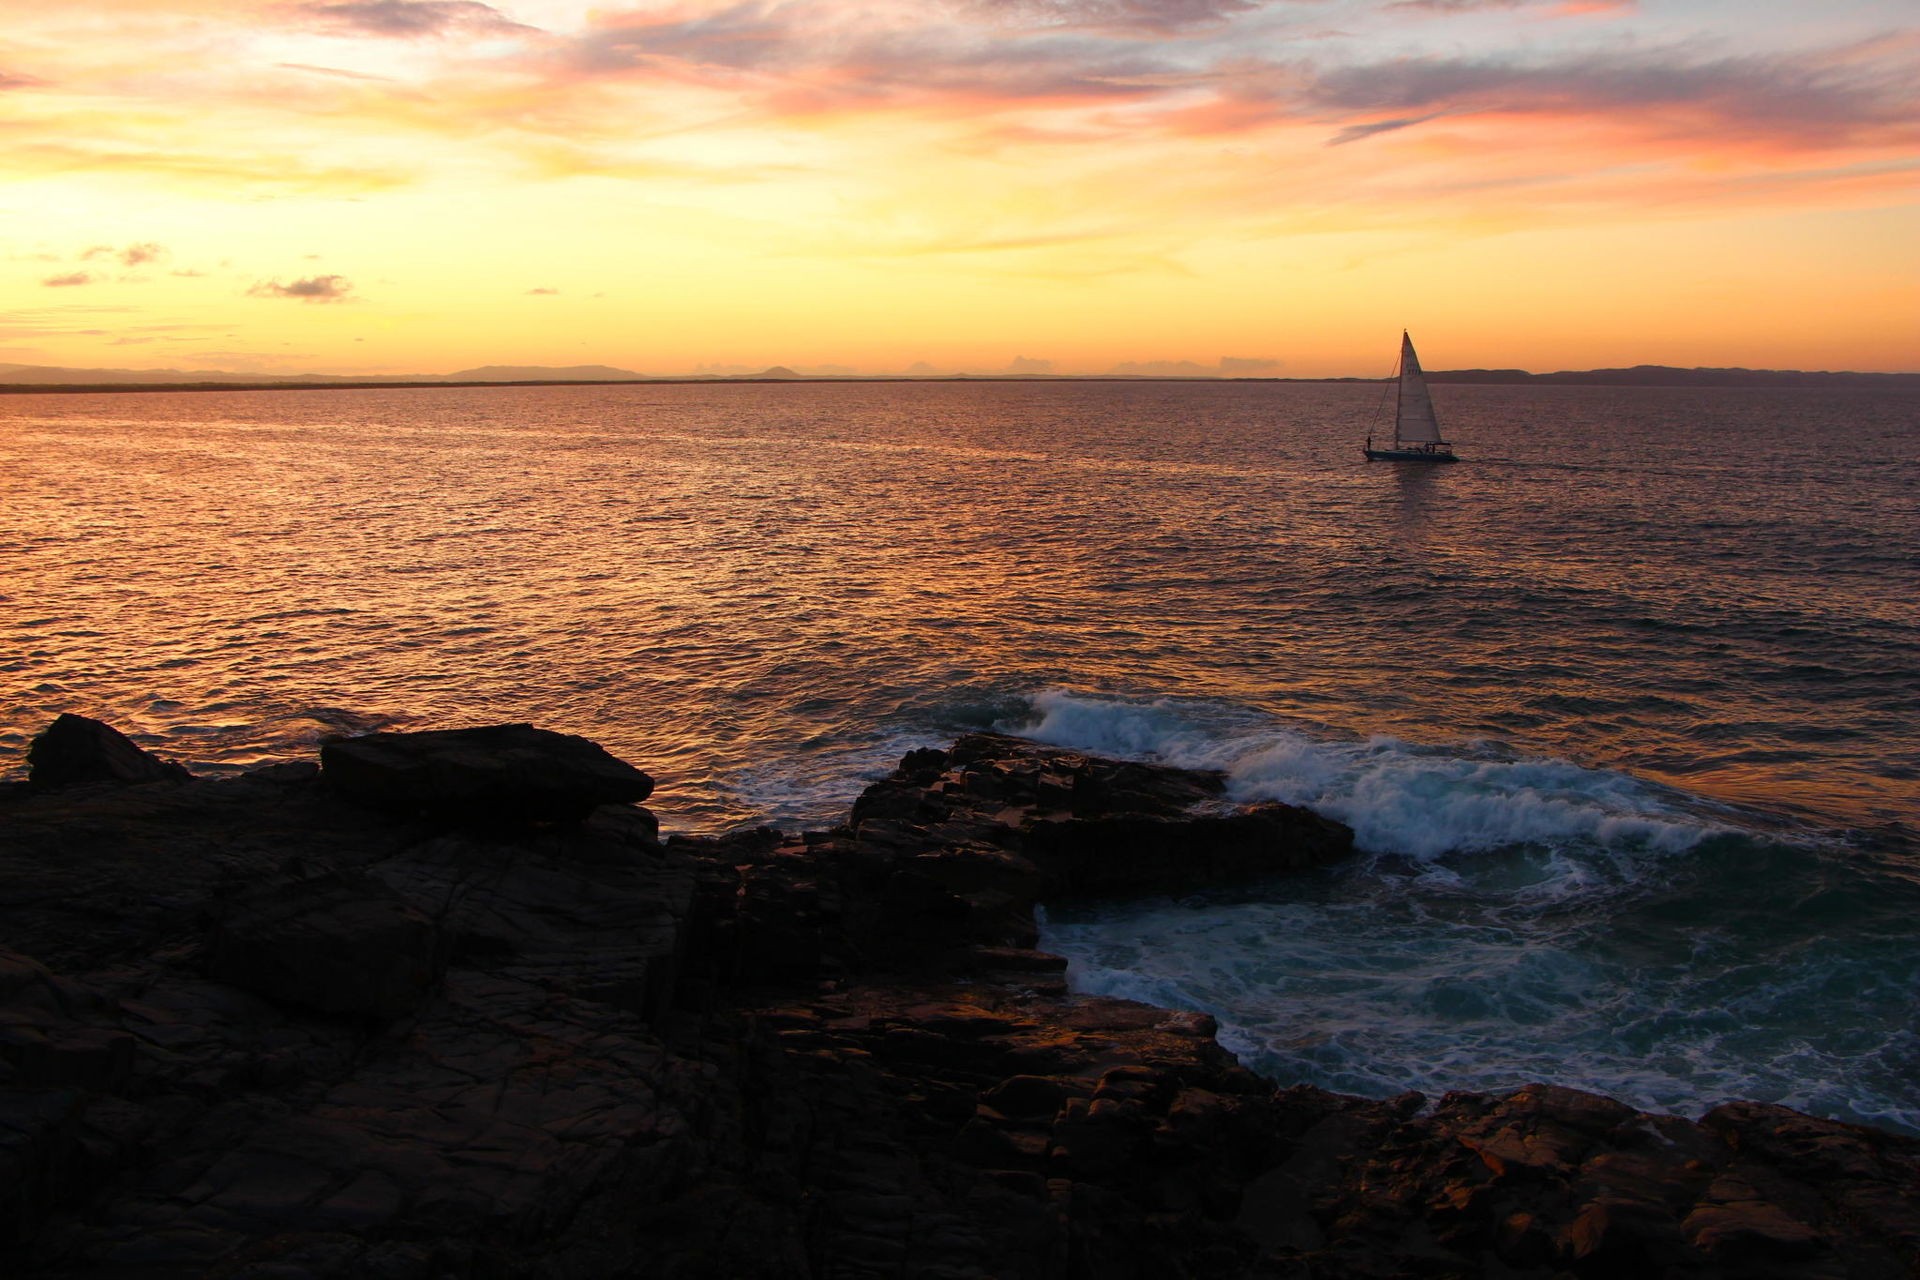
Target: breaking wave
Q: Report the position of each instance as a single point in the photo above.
(1399, 797)
(1511, 919)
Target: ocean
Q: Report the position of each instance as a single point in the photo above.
(1624, 708)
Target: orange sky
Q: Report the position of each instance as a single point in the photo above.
(396, 186)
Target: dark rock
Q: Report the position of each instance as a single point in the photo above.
(337, 942)
(94, 876)
(568, 1051)
(1017, 771)
(1110, 857)
(1041, 1096)
(41, 1158)
(74, 750)
(1743, 1228)
(590, 912)
(499, 773)
(1069, 825)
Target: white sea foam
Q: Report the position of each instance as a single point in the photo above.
(1525, 921)
(1399, 797)
(816, 790)
(1159, 728)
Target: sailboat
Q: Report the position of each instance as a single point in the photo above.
(1416, 432)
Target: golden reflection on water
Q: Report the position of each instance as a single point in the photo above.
(724, 582)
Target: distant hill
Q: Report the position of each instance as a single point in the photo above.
(543, 373)
(1660, 375)
(18, 377)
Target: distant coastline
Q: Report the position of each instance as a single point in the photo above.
(37, 381)
(1659, 375)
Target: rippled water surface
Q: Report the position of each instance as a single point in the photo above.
(1624, 707)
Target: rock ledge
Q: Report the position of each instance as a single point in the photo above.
(260, 1027)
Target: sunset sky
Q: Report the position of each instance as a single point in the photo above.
(400, 186)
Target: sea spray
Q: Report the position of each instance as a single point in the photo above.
(1398, 797)
(1509, 920)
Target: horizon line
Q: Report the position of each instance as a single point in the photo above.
(1698, 375)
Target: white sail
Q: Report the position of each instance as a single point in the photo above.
(1416, 423)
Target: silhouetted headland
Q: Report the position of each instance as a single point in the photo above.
(445, 1004)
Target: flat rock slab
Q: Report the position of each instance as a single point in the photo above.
(338, 942)
(506, 772)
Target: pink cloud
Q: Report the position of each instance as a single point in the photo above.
(1144, 17)
(1810, 99)
(315, 289)
(408, 19)
(798, 59)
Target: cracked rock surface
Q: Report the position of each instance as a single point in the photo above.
(261, 1027)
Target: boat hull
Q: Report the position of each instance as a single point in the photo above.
(1410, 455)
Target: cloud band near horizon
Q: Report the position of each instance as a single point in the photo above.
(1053, 142)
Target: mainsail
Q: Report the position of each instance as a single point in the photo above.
(1416, 423)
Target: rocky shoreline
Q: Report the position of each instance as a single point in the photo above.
(446, 1005)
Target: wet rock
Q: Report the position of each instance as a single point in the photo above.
(75, 750)
(1113, 857)
(1735, 1225)
(1848, 1174)
(1554, 1179)
(1069, 825)
(254, 1028)
(498, 773)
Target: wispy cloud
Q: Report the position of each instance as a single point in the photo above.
(336, 72)
(313, 289)
(1159, 63)
(1228, 367)
(135, 254)
(1456, 6)
(1355, 132)
(987, 244)
(1812, 97)
(1556, 8)
(803, 60)
(409, 19)
(1146, 17)
(1102, 142)
(233, 167)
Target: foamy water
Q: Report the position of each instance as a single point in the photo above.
(1511, 920)
(1398, 797)
(1623, 708)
